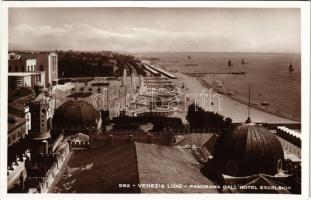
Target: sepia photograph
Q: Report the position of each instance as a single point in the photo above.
(158, 100)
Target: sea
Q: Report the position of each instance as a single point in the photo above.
(273, 88)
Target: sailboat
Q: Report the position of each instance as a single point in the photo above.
(230, 63)
(291, 68)
(243, 61)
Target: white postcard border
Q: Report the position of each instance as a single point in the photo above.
(305, 92)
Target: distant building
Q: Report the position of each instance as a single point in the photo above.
(22, 64)
(108, 54)
(43, 64)
(23, 71)
(20, 109)
(16, 134)
(17, 80)
(48, 62)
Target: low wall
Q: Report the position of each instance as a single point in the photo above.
(121, 138)
(42, 184)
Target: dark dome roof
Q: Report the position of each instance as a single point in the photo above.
(250, 149)
(75, 115)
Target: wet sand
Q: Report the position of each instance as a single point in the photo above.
(229, 107)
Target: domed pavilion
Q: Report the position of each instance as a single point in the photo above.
(249, 150)
(76, 116)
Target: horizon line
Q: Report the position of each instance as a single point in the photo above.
(137, 52)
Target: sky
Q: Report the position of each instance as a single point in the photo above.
(156, 29)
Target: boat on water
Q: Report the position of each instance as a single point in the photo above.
(238, 73)
(153, 58)
(291, 68)
(243, 61)
(230, 63)
(265, 103)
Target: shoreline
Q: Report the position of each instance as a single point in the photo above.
(252, 105)
(234, 103)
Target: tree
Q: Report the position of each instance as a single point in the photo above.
(195, 116)
(200, 119)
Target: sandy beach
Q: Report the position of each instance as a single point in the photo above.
(229, 107)
(268, 75)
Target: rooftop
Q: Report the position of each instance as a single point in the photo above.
(102, 169)
(159, 164)
(14, 121)
(22, 73)
(99, 170)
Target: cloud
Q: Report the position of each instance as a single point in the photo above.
(80, 36)
(68, 36)
(84, 36)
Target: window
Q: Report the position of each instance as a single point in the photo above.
(41, 68)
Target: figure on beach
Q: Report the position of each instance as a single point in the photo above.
(230, 63)
(291, 68)
(243, 61)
